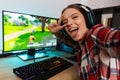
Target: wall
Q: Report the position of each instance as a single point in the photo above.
(94, 4)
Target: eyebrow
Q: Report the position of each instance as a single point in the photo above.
(70, 16)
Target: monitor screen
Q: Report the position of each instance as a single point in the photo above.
(24, 31)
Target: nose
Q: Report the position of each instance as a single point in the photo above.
(70, 22)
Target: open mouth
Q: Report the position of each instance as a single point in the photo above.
(73, 29)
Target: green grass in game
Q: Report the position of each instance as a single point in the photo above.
(21, 41)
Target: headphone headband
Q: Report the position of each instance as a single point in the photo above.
(88, 15)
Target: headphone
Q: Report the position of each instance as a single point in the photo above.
(88, 15)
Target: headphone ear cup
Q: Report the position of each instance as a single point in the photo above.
(91, 14)
(91, 18)
(67, 36)
(88, 15)
(64, 32)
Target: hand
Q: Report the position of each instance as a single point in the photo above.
(55, 27)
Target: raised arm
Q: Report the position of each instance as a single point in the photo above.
(109, 39)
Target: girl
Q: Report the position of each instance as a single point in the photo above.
(99, 46)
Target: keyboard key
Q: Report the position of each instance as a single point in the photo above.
(42, 70)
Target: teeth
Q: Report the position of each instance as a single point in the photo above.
(73, 29)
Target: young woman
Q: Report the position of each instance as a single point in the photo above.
(99, 46)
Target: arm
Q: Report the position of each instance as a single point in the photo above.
(108, 39)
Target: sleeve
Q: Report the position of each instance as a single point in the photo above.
(108, 39)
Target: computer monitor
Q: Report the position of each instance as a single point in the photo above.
(26, 33)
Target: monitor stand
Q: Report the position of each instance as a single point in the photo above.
(32, 54)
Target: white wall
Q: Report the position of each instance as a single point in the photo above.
(49, 8)
(94, 4)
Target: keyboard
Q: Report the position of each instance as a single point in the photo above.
(42, 70)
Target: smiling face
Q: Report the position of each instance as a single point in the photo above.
(76, 26)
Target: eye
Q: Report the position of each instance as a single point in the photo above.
(74, 17)
(65, 22)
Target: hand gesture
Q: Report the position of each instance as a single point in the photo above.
(56, 26)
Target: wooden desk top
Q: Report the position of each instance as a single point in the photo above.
(8, 63)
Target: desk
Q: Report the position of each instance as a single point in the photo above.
(8, 63)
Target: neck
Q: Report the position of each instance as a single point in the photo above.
(83, 38)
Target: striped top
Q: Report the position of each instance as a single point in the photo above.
(100, 53)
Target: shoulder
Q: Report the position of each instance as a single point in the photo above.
(100, 30)
(97, 27)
